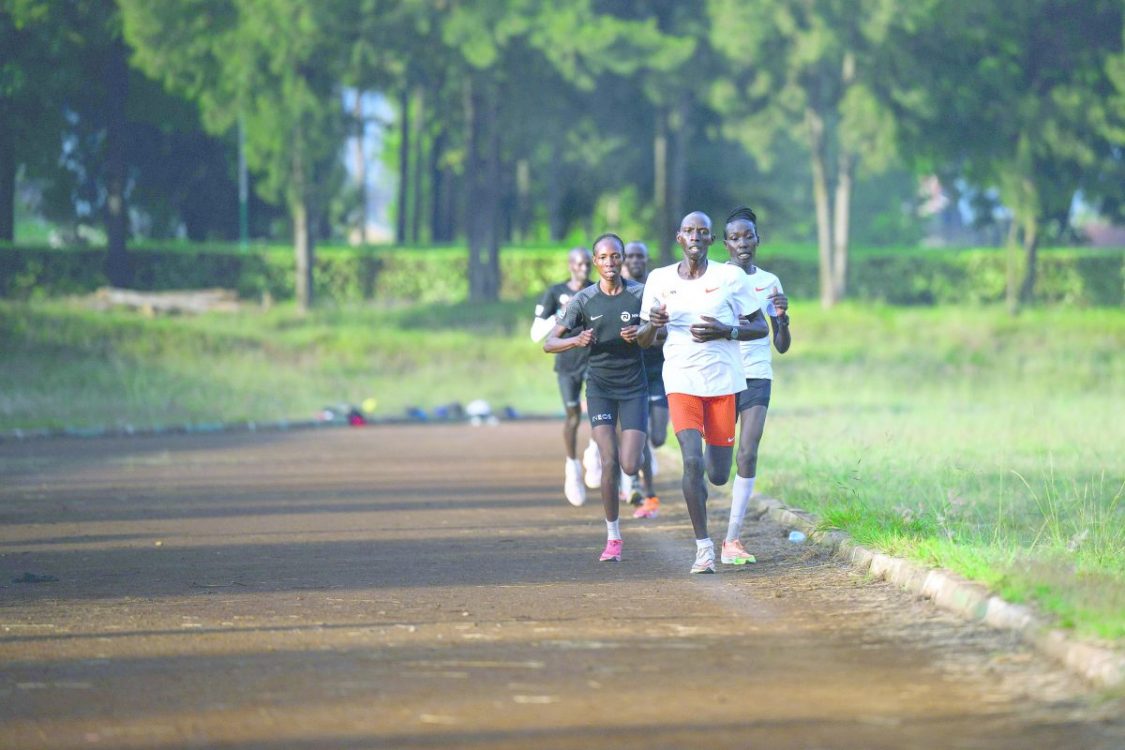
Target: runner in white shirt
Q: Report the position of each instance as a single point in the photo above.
(707, 308)
(741, 239)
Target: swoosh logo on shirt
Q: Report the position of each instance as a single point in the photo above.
(761, 288)
(597, 316)
(712, 289)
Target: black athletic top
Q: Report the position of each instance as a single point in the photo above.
(616, 368)
(554, 303)
(654, 362)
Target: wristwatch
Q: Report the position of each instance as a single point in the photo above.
(733, 333)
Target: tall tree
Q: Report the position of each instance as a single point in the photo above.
(271, 63)
(29, 124)
(804, 65)
(1042, 117)
(70, 66)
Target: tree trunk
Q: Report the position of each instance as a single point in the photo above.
(116, 212)
(403, 167)
(303, 249)
(419, 160)
(482, 194)
(664, 225)
(438, 187)
(475, 203)
(1011, 285)
(523, 200)
(678, 184)
(1031, 253)
(815, 126)
(7, 180)
(303, 252)
(555, 221)
(495, 176)
(359, 165)
(841, 225)
(1024, 198)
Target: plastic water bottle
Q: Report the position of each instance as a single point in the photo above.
(797, 536)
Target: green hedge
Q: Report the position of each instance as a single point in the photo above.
(903, 277)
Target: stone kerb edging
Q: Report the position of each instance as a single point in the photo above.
(1099, 665)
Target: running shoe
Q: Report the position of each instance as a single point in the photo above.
(572, 487)
(630, 490)
(592, 458)
(650, 508)
(704, 560)
(612, 551)
(735, 554)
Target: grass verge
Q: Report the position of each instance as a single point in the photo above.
(962, 438)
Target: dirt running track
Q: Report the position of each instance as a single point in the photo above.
(427, 586)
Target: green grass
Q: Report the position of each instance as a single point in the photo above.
(966, 439)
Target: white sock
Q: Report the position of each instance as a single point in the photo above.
(704, 544)
(613, 529)
(740, 500)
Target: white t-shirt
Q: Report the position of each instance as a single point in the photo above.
(757, 355)
(711, 368)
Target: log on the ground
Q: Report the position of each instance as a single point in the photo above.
(191, 301)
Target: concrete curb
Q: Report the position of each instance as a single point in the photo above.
(1099, 665)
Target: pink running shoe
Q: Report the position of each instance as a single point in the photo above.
(735, 554)
(612, 551)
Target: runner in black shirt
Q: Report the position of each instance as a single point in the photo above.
(570, 366)
(636, 268)
(607, 316)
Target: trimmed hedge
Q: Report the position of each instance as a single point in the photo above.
(1082, 277)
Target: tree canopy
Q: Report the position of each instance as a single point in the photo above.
(534, 120)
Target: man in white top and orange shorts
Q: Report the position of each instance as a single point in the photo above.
(706, 308)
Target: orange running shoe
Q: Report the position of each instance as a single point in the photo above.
(650, 508)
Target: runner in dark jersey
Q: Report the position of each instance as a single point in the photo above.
(606, 316)
(570, 366)
(636, 268)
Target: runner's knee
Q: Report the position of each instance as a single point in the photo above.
(748, 461)
(694, 466)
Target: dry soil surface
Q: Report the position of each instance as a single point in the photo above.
(428, 586)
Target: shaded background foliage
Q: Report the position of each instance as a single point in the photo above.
(504, 123)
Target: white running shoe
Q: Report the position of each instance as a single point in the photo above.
(572, 488)
(624, 486)
(592, 458)
(704, 560)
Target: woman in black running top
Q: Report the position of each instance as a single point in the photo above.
(607, 316)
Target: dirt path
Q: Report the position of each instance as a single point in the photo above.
(428, 587)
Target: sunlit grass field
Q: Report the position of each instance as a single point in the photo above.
(964, 438)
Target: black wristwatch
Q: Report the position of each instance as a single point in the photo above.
(783, 320)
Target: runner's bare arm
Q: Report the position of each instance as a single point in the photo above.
(752, 326)
(781, 336)
(654, 327)
(555, 343)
